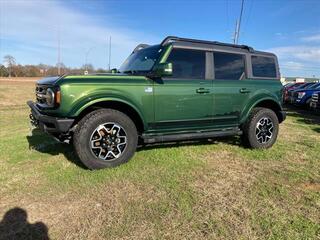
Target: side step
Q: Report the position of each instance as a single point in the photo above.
(190, 136)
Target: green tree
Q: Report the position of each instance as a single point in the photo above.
(3, 71)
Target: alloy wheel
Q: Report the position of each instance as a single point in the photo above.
(108, 141)
(264, 130)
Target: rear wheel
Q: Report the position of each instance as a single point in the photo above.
(105, 138)
(261, 128)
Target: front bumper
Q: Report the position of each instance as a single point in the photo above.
(313, 105)
(283, 116)
(47, 123)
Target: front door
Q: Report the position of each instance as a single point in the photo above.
(184, 100)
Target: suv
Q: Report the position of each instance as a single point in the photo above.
(290, 95)
(181, 89)
(302, 97)
(288, 87)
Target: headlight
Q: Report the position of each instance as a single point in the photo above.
(50, 97)
(301, 94)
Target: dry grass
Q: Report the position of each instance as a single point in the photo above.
(24, 80)
(198, 190)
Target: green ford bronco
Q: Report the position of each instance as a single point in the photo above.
(181, 89)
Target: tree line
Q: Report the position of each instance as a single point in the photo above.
(10, 68)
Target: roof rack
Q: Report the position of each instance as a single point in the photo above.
(178, 39)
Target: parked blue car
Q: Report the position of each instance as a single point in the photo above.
(302, 97)
(290, 93)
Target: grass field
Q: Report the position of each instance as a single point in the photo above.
(202, 190)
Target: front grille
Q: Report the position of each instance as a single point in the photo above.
(41, 94)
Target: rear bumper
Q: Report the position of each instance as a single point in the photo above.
(47, 123)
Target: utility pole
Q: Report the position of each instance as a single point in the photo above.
(59, 54)
(238, 25)
(86, 58)
(109, 64)
(235, 35)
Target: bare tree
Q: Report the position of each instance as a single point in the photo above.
(10, 61)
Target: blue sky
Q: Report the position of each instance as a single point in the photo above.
(29, 29)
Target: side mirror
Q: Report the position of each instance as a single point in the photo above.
(162, 70)
(114, 70)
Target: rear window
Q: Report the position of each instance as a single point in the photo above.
(229, 66)
(263, 67)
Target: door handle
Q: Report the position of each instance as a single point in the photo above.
(203, 90)
(244, 90)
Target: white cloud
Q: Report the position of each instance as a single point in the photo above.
(314, 38)
(29, 31)
(293, 65)
(304, 53)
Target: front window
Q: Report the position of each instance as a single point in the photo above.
(187, 64)
(142, 60)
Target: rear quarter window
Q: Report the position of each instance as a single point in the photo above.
(263, 67)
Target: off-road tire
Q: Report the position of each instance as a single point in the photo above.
(249, 137)
(85, 129)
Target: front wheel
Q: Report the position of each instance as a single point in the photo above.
(261, 128)
(105, 138)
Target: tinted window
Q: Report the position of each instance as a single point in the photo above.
(187, 63)
(263, 66)
(228, 66)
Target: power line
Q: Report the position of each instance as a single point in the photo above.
(248, 15)
(227, 2)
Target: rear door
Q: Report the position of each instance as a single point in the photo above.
(231, 89)
(184, 100)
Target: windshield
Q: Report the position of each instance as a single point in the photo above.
(142, 60)
(302, 85)
(317, 86)
(310, 85)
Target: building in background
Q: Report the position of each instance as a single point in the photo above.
(285, 80)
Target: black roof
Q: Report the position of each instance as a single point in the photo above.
(171, 39)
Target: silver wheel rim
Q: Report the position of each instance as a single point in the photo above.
(108, 141)
(264, 130)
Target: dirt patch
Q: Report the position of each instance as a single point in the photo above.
(311, 186)
(20, 79)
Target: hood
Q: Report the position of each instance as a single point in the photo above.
(48, 80)
(308, 90)
(103, 78)
(97, 78)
